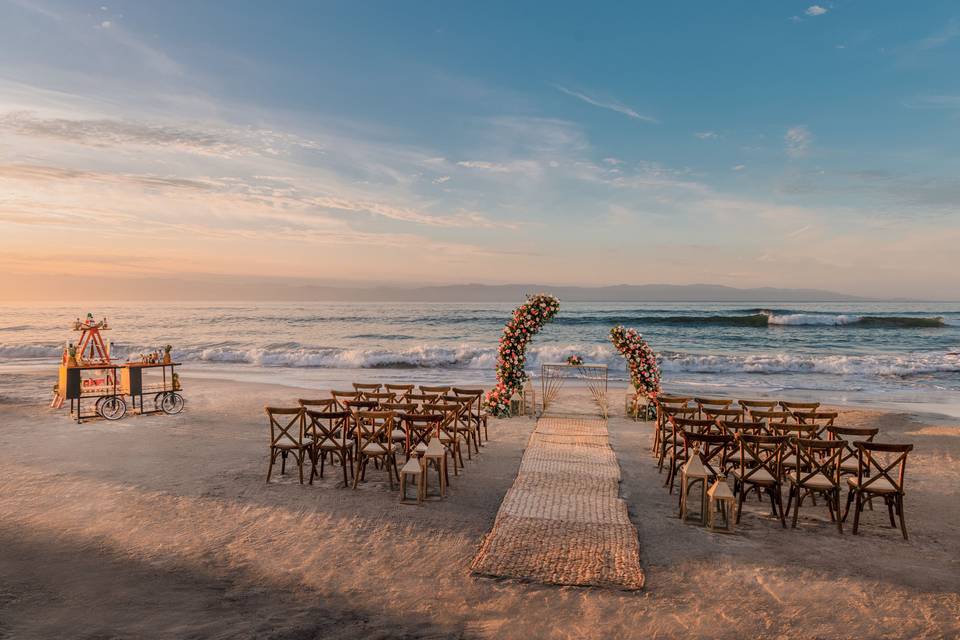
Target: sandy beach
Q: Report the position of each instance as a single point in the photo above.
(163, 527)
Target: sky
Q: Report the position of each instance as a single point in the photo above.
(768, 143)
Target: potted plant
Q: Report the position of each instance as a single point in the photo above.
(72, 355)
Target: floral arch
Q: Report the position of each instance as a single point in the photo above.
(526, 322)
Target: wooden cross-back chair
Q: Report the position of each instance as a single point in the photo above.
(401, 390)
(374, 442)
(288, 435)
(464, 421)
(759, 467)
(342, 397)
(364, 387)
(449, 433)
(662, 403)
(666, 441)
(793, 430)
(817, 473)
(677, 451)
(882, 467)
(331, 434)
(822, 419)
(849, 459)
(419, 429)
(711, 447)
(422, 398)
(477, 414)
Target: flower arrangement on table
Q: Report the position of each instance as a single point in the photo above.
(526, 322)
(641, 361)
(575, 360)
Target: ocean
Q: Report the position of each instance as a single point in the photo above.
(887, 353)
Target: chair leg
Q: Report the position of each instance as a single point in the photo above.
(361, 461)
(903, 524)
(846, 509)
(835, 498)
(283, 462)
(856, 513)
(889, 501)
(273, 460)
(343, 463)
(796, 506)
(299, 457)
(779, 494)
(743, 493)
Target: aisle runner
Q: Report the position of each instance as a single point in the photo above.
(563, 521)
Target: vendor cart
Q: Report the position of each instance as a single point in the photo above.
(98, 383)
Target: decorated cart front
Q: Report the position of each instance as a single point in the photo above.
(88, 375)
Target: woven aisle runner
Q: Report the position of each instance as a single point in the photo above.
(563, 521)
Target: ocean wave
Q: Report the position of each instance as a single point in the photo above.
(847, 365)
(763, 319)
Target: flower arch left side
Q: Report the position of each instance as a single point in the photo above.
(526, 322)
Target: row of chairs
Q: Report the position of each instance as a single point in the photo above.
(429, 425)
(767, 445)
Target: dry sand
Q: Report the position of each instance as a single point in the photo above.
(163, 527)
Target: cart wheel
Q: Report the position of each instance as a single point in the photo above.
(172, 403)
(112, 407)
(158, 401)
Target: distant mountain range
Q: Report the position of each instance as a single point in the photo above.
(238, 288)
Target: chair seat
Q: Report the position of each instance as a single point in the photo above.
(789, 460)
(335, 445)
(399, 435)
(760, 476)
(374, 449)
(850, 465)
(880, 485)
(817, 481)
(288, 443)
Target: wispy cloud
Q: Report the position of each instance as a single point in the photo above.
(815, 10)
(611, 105)
(941, 37)
(738, 167)
(706, 135)
(210, 141)
(483, 165)
(933, 102)
(797, 140)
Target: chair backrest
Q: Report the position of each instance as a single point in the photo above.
(329, 427)
(735, 426)
(401, 390)
(849, 435)
(449, 412)
(792, 429)
(422, 398)
(694, 425)
(476, 399)
(882, 460)
(318, 404)
(343, 396)
(438, 390)
(758, 452)
(799, 406)
(361, 387)
(711, 447)
(286, 422)
(664, 398)
(378, 397)
(374, 427)
(817, 457)
(731, 415)
(399, 407)
(822, 419)
(715, 403)
(360, 405)
(421, 425)
(758, 405)
(771, 417)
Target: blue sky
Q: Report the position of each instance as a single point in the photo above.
(741, 143)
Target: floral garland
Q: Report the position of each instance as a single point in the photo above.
(575, 361)
(641, 360)
(527, 321)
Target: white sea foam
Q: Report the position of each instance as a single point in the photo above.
(813, 319)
